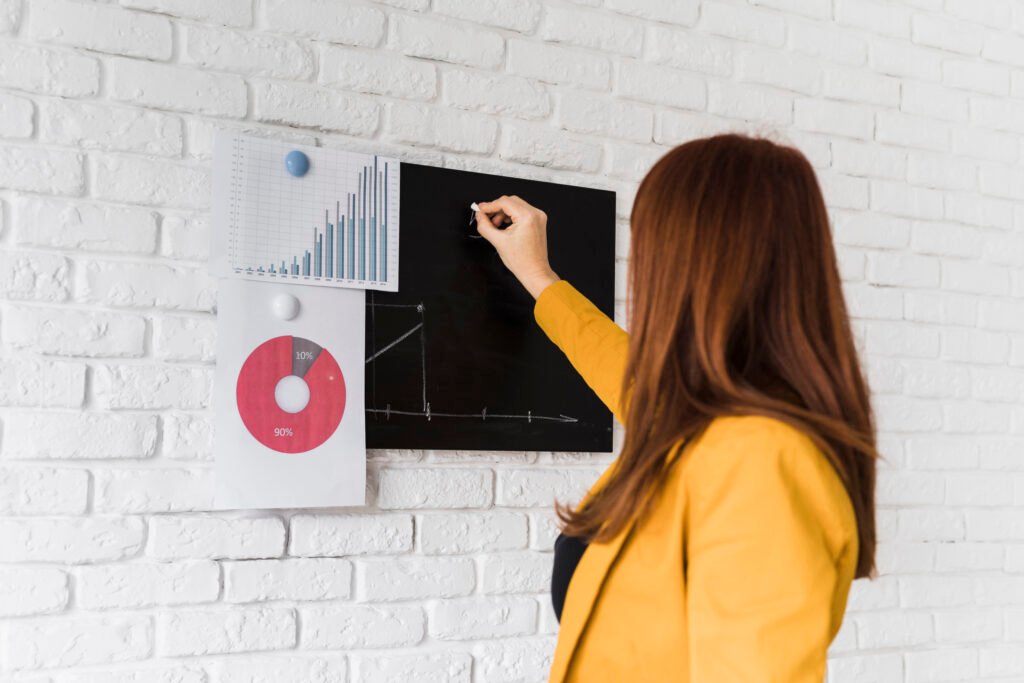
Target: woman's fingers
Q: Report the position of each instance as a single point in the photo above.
(510, 207)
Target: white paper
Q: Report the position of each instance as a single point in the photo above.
(326, 337)
(327, 227)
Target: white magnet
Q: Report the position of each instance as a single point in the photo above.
(285, 306)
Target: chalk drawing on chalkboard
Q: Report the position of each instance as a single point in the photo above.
(426, 411)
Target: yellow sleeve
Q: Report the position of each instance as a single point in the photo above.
(760, 575)
(592, 342)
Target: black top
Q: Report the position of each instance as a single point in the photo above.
(568, 551)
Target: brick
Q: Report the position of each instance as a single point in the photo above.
(983, 211)
(866, 667)
(595, 30)
(660, 85)
(893, 629)
(69, 540)
(493, 94)
(27, 382)
(184, 338)
(821, 40)
(26, 591)
(448, 667)
(10, 15)
(246, 53)
(605, 117)
(911, 131)
(902, 269)
(1003, 47)
(43, 491)
(33, 276)
(335, 22)
(146, 584)
(784, 70)
(35, 169)
(219, 631)
(559, 65)
(632, 162)
(877, 17)
(743, 24)
(295, 579)
(148, 181)
(998, 113)
(939, 307)
(541, 146)
(177, 88)
(872, 302)
(515, 15)
(78, 641)
(352, 627)
(859, 85)
(434, 127)
(929, 378)
(975, 418)
(902, 199)
(104, 28)
(834, 118)
(522, 572)
(187, 437)
(541, 488)
(192, 537)
(144, 285)
(186, 238)
(902, 414)
(978, 278)
(871, 230)
(512, 660)
(975, 346)
(414, 578)
(152, 490)
(378, 74)
(817, 9)
(282, 669)
(43, 70)
(750, 103)
(67, 332)
(682, 12)
(58, 224)
(310, 106)
(226, 12)
(79, 436)
(446, 41)
(150, 387)
(327, 535)
(687, 50)
(473, 618)
(991, 79)
(16, 116)
(437, 488)
(471, 532)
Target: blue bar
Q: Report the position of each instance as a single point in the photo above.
(362, 224)
(384, 229)
(373, 224)
(339, 228)
(352, 237)
(330, 247)
(295, 265)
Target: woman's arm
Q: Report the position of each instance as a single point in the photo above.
(592, 342)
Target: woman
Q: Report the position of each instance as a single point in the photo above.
(721, 544)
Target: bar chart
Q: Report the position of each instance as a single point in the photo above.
(335, 225)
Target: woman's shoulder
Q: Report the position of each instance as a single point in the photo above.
(767, 456)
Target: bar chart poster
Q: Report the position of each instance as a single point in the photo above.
(292, 213)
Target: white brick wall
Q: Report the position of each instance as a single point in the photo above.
(112, 565)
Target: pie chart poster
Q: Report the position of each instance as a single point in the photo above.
(456, 359)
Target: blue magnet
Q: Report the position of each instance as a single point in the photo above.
(297, 163)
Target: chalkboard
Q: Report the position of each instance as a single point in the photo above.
(455, 358)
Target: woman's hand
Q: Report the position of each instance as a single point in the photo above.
(523, 245)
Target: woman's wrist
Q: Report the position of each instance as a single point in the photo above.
(535, 284)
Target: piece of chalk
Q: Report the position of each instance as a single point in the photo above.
(474, 206)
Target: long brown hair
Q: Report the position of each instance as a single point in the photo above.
(735, 307)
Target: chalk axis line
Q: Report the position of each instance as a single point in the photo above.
(426, 411)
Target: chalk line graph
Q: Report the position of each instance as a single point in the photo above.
(426, 411)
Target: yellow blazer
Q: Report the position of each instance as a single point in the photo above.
(742, 569)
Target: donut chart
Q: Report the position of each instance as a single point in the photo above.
(290, 394)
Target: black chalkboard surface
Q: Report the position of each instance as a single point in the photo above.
(456, 359)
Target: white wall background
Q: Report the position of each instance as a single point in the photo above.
(112, 567)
